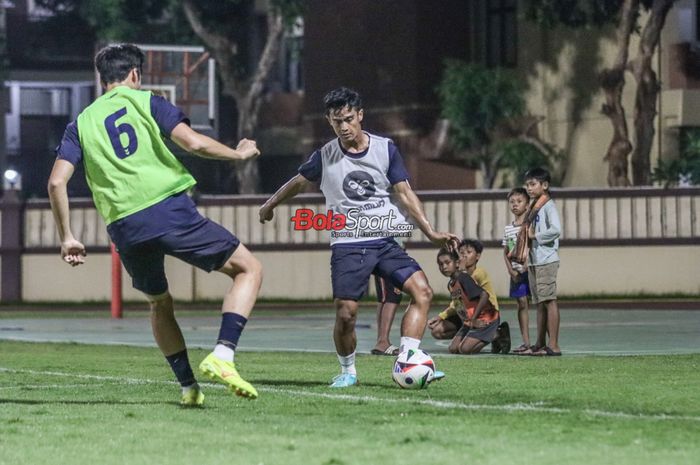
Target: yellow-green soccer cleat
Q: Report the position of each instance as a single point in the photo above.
(226, 373)
(193, 397)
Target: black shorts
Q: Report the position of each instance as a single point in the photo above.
(201, 243)
(352, 265)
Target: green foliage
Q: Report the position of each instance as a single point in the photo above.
(686, 167)
(475, 99)
(518, 157)
(576, 13)
(572, 13)
(144, 21)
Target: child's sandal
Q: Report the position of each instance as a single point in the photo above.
(521, 348)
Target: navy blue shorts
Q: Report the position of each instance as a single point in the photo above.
(351, 267)
(519, 288)
(200, 242)
(386, 293)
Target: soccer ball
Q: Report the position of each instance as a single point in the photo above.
(413, 369)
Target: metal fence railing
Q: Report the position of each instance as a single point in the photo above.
(632, 216)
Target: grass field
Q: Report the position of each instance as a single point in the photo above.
(85, 404)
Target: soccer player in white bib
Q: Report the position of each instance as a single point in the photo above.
(363, 178)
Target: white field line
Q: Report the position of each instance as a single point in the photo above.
(38, 387)
(406, 401)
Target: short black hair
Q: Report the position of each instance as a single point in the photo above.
(517, 191)
(114, 62)
(540, 174)
(445, 251)
(473, 243)
(342, 97)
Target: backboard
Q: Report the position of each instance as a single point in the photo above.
(185, 75)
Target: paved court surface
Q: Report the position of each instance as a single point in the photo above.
(583, 331)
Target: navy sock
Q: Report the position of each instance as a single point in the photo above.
(232, 325)
(180, 365)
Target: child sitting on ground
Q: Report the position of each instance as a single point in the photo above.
(474, 301)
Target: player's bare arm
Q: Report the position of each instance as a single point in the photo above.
(206, 147)
(409, 200)
(72, 250)
(290, 189)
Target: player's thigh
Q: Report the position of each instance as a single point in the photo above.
(242, 261)
(396, 266)
(417, 286)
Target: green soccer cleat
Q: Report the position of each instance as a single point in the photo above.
(226, 373)
(192, 397)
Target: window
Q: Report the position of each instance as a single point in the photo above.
(501, 36)
(494, 32)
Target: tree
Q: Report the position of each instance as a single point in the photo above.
(625, 14)
(684, 170)
(485, 109)
(226, 28)
(242, 76)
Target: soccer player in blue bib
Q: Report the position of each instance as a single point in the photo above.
(140, 190)
(363, 178)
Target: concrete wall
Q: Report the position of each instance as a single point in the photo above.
(306, 274)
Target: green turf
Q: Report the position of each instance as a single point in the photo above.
(80, 404)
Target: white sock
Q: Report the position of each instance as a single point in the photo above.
(408, 343)
(223, 352)
(347, 363)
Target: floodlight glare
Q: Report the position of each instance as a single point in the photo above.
(11, 176)
(12, 180)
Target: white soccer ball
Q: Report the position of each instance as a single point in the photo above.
(413, 369)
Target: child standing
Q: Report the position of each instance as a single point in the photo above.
(543, 264)
(519, 288)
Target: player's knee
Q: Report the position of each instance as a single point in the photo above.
(346, 320)
(346, 314)
(453, 349)
(161, 302)
(254, 267)
(424, 294)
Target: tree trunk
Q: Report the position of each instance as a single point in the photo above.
(612, 81)
(248, 173)
(490, 163)
(247, 93)
(647, 92)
